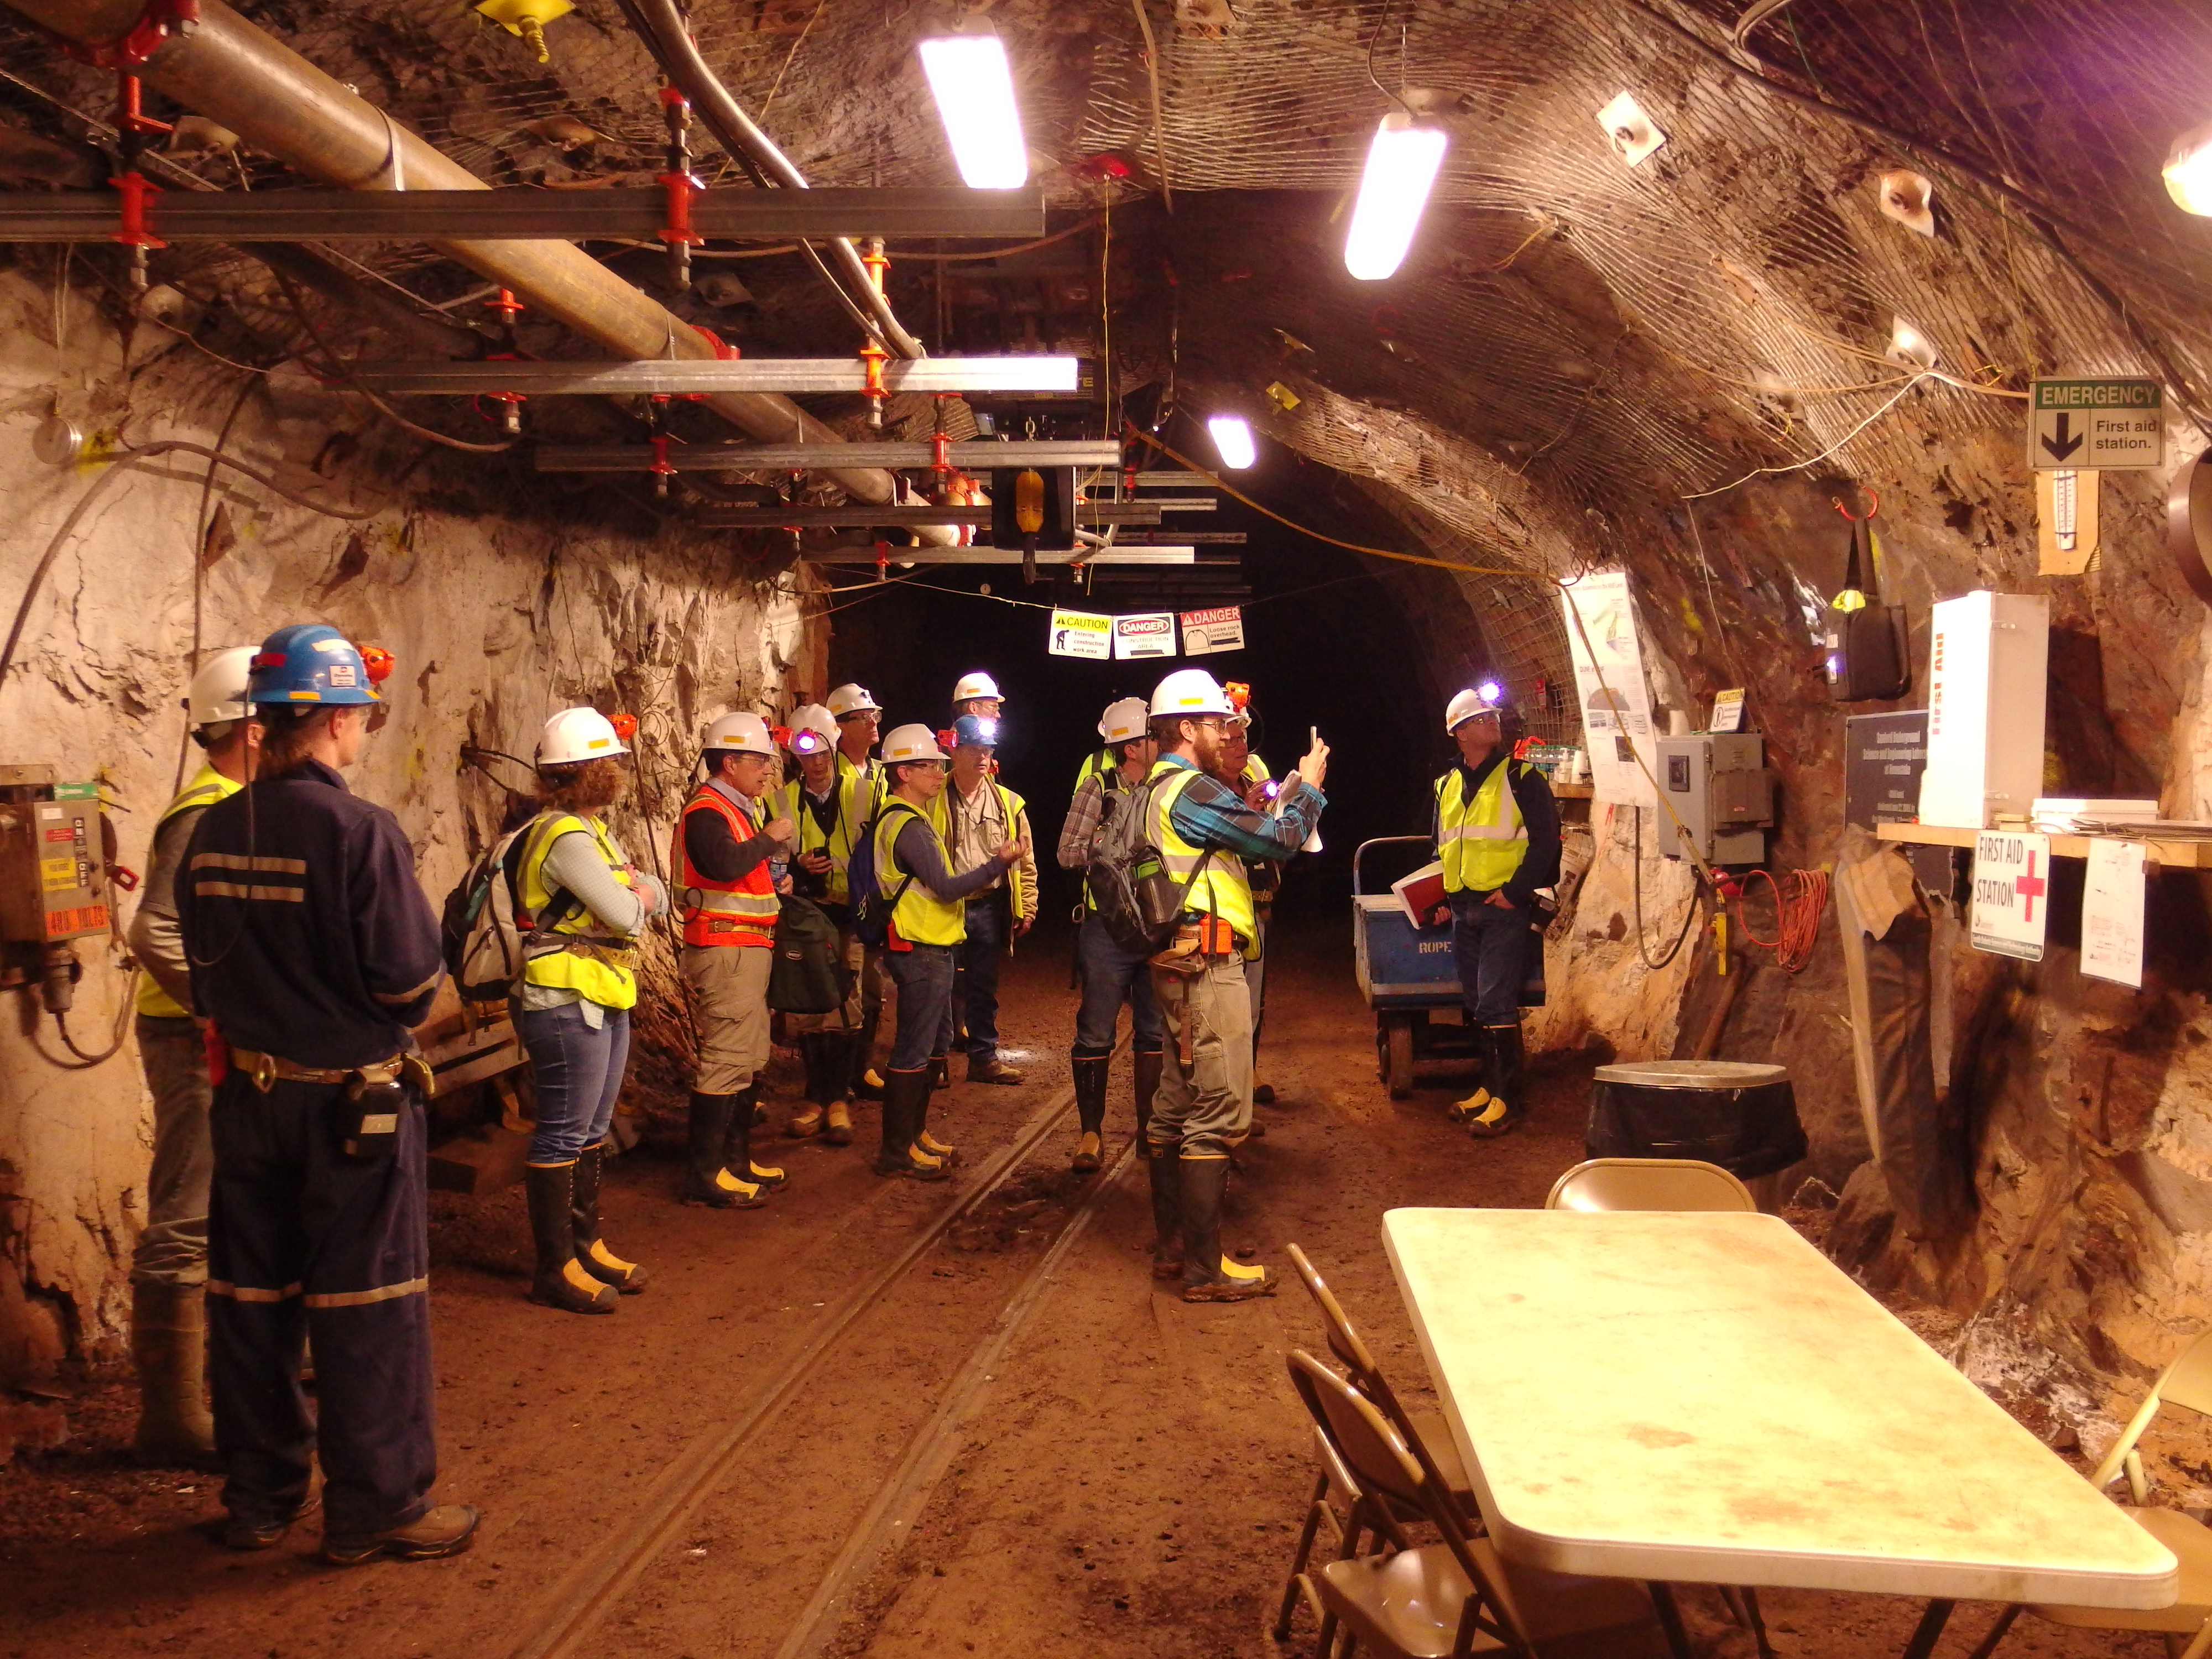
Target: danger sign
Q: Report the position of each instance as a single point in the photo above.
(1205, 632)
(1150, 635)
(2012, 894)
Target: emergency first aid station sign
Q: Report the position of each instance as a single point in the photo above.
(2012, 889)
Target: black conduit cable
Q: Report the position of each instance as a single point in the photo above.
(122, 461)
(85, 1062)
(1637, 877)
(660, 25)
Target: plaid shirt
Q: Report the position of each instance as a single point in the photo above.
(1208, 814)
(1085, 814)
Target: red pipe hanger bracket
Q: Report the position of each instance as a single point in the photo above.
(159, 21)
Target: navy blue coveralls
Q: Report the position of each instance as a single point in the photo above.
(310, 939)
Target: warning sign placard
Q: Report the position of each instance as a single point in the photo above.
(1205, 632)
(1080, 633)
(1151, 634)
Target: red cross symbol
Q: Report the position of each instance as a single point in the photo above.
(2031, 887)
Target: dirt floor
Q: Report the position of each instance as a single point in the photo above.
(1125, 1475)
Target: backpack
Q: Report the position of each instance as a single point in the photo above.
(808, 974)
(873, 909)
(1138, 899)
(478, 931)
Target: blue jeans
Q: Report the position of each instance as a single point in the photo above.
(1110, 976)
(576, 1073)
(975, 962)
(1491, 943)
(923, 977)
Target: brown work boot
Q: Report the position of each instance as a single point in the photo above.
(169, 1346)
(445, 1530)
(989, 1068)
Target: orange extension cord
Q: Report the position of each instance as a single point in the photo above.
(1797, 914)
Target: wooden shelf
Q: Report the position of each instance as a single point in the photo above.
(1574, 792)
(2173, 854)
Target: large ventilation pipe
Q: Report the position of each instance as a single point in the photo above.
(232, 72)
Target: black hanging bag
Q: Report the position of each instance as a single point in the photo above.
(1867, 658)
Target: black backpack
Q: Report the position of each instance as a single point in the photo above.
(1138, 899)
(872, 908)
(808, 974)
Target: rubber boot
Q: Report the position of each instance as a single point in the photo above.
(944, 1153)
(906, 1097)
(1090, 1109)
(871, 1084)
(562, 1281)
(705, 1181)
(1163, 1162)
(169, 1346)
(941, 1071)
(807, 1122)
(1147, 1064)
(1207, 1274)
(737, 1150)
(591, 1255)
(840, 1052)
(1503, 1056)
(1485, 1073)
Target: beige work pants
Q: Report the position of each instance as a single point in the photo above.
(730, 982)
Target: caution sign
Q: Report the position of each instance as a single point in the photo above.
(2012, 888)
(1151, 634)
(2078, 426)
(1205, 632)
(1080, 633)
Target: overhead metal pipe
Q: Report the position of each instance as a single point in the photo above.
(278, 102)
(670, 40)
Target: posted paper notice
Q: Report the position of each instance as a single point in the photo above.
(1205, 632)
(1151, 634)
(2113, 912)
(1079, 634)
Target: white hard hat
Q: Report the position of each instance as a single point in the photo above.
(743, 734)
(1123, 721)
(911, 743)
(813, 729)
(218, 690)
(578, 734)
(1482, 700)
(851, 699)
(978, 684)
(1189, 691)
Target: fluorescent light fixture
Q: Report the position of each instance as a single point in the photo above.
(1232, 438)
(2188, 171)
(974, 87)
(1401, 169)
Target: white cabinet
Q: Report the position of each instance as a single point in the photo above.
(1988, 657)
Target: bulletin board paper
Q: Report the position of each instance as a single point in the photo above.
(1617, 712)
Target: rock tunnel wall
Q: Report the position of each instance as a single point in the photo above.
(499, 609)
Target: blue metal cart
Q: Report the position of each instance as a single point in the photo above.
(1404, 972)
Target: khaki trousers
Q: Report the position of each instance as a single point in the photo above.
(730, 982)
(1205, 1098)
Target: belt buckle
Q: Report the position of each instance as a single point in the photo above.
(263, 1072)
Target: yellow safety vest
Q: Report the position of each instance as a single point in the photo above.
(790, 800)
(1222, 889)
(207, 788)
(1481, 842)
(919, 917)
(1255, 770)
(867, 786)
(1096, 764)
(1011, 806)
(596, 973)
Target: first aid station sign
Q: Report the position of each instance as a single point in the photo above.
(2090, 425)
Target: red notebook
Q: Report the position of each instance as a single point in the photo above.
(1421, 892)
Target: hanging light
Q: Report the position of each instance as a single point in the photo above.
(1232, 440)
(1401, 169)
(973, 88)
(2188, 171)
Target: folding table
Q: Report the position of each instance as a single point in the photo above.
(1706, 1399)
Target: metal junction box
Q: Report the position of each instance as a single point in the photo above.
(1718, 784)
(53, 880)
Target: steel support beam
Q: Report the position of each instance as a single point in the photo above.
(653, 377)
(279, 103)
(896, 518)
(980, 455)
(422, 215)
(862, 555)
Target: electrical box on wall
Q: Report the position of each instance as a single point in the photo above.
(53, 880)
(1718, 785)
(1989, 657)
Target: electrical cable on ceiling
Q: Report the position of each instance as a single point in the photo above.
(340, 372)
(1799, 466)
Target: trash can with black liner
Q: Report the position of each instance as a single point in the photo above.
(1738, 1114)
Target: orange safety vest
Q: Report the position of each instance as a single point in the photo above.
(741, 912)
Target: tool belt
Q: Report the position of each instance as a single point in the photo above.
(1197, 939)
(614, 952)
(265, 1069)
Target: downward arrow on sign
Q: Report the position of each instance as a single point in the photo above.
(2062, 445)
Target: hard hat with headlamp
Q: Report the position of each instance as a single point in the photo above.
(813, 730)
(1192, 692)
(218, 692)
(852, 699)
(309, 663)
(975, 732)
(908, 743)
(1123, 721)
(1484, 699)
(740, 734)
(578, 734)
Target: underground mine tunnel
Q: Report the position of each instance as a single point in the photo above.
(1192, 828)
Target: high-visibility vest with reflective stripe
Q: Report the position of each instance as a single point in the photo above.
(919, 916)
(1223, 888)
(1011, 806)
(207, 788)
(1481, 842)
(1255, 770)
(1096, 764)
(792, 801)
(741, 912)
(607, 983)
(867, 786)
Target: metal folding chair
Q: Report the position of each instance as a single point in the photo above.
(1648, 1183)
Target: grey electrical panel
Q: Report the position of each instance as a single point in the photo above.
(1718, 785)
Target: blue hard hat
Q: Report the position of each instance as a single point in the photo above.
(975, 732)
(309, 663)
